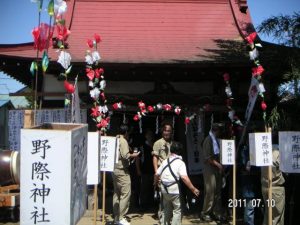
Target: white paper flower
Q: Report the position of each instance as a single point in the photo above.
(95, 93)
(103, 109)
(253, 54)
(60, 7)
(231, 114)
(91, 83)
(228, 91)
(89, 59)
(261, 88)
(102, 84)
(96, 56)
(64, 59)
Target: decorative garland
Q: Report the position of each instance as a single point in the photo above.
(97, 84)
(257, 69)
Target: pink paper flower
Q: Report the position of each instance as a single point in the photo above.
(187, 120)
(263, 106)
(251, 37)
(150, 108)
(97, 38)
(90, 43)
(69, 87)
(167, 107)
(226, 76)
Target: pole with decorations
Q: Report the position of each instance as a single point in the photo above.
(99, 111)
(257, 71)
(234, 122)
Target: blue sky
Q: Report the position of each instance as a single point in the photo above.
(18, 17)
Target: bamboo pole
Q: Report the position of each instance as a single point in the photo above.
(95, 202)
(270, 188)
(234, 192)
(103, 198)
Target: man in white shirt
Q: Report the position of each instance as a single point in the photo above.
(171, 170)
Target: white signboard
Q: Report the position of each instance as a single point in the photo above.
(93, 158)
(53, 174)
(289, 148)
(108, 152)
(227, 152)
(260, 149)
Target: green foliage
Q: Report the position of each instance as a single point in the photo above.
(284, 28)
(278, 119)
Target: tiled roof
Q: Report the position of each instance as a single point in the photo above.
(150, 31)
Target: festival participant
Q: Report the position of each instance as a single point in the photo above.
(161, 151)
(277, 202)
(171, 170)
(212, 174)
(121, 179)
(144, 168)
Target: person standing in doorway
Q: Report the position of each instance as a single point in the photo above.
(161, 151)
(121, 179)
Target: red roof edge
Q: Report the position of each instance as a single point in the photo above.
(242, 19)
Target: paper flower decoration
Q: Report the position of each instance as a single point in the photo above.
(89, 59)
(150, 108)
(141, 105)
(64, 59)
(103, 123)
(177, 110)
(60, 7)
(159, 106)
(117, 105)
(90, 43)
(41, 36)
(167, 107)
(95, 111)
(96, 56)
(94, 93)
(97, 38)
(263, 106)
(257, 71)
(102, 84)
(62, 32)
(251, 38)
(69, 87)
(253, 54)
(103, 109)
(187, 120)
(226, 77)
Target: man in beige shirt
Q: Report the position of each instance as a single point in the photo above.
(161, 151)
(121, 179)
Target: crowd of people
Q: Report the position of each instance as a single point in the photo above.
(161, 173)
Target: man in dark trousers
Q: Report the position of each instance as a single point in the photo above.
(212, 175)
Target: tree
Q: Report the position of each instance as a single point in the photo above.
(285, 29)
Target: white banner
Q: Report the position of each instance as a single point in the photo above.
(289, 148)
(194, 138)
(252, 94)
